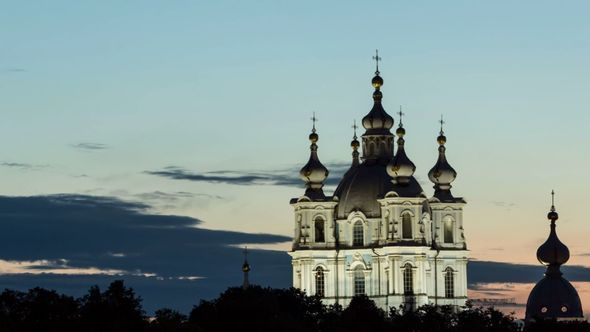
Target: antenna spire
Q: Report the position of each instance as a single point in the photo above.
(246, 269)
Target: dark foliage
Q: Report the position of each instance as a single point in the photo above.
(118, 308)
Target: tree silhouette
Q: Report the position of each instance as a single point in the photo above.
(116, 309)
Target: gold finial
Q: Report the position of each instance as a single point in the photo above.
(442, 122)
(377, 59)
(401, 114)
(354, 127)
(552, 201)
(313, 119)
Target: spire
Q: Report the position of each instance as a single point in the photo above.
(354, 144)
(377, 122)
(401, 168)
(246, 269)
(553, 253)
(314, 173)
(442, 174)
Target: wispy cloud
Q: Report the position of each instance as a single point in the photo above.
(59, 266)
(503, 204)
(89, 146)
(277, 177)
(22, 166)
(12, 70)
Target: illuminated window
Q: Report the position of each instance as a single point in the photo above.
(357, 234)
(448, 226)
(449, 283)
(359, 281)
(319, 282)
(408, 279)
(406, 226)
(319, 230)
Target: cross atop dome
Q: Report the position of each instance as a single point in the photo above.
(377, 58)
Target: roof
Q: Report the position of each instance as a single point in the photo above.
(364, 184)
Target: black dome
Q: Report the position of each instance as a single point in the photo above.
(554, 297)
(364, 184)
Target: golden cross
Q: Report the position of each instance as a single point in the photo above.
(313, 119)
(354, 127)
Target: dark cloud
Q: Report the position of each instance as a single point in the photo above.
(159, 254)
(280, 177)
(78, 231)
(493, 272)
(164, 196)
(89, 146)
(22, 166)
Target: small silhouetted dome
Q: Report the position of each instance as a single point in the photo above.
(554, 297)
(401, 168)
(377, 121)
(246, 267)
(553, 251)
(442, 174)
(354, 144)
(314, 173)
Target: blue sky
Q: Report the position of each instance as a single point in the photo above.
(97, 96)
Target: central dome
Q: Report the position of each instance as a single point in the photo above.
(364, 184)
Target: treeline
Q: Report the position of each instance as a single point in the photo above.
(118, 308)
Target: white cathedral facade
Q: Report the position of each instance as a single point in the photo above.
(380, 234)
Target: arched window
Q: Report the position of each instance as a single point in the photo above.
(320, 282)
(408, 279)
(319, 230)
(448, 227)
(449, 283)
(406, 226)
(357, 234)
(359, 281)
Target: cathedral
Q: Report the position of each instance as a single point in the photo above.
(380, 234)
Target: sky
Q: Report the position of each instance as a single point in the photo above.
(197, 114)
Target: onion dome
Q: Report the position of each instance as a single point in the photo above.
(377, 122)
(314, 173)
(401, 168)
(553, 296)
(442, 174)
(553, 253)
